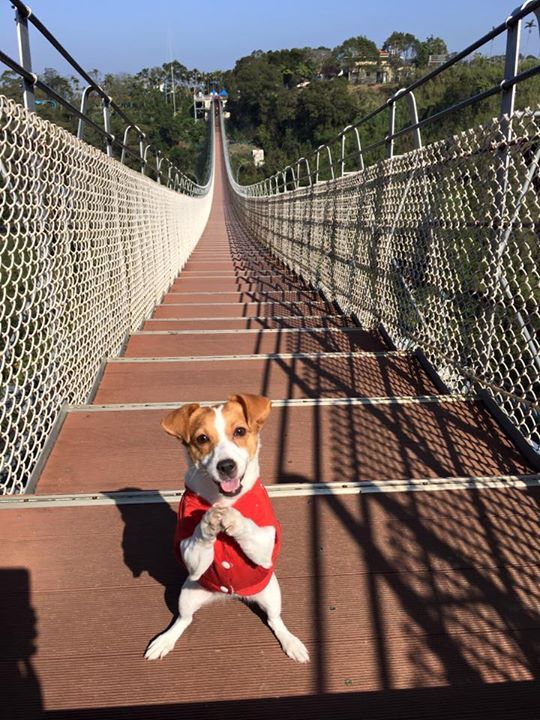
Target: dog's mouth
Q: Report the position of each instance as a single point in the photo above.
(229, 486)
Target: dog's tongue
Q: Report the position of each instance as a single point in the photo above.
(230, 486)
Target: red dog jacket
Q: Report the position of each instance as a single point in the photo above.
(231, 570)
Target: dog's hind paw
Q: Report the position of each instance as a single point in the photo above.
(296, 649)
(160, 647)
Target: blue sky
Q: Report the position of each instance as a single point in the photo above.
(125, 36)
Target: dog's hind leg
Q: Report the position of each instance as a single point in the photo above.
(192, 598)
(269, 600)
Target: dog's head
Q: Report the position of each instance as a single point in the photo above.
(222, 440)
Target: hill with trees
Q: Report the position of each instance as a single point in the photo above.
(288, 102)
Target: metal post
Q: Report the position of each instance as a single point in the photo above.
(84, 105)
(107, 126)
(508, 96)
(295, 183)
(342, 158)
(124, 144)
(511, 61)
(330, 161)
(413, 112)
(358, 145)
(308, 171)
(145, 158)
(391, 129)
(23, 38)
(141, 143)
(495, 281)
(360, 153)
(141, 151)
(158, 166)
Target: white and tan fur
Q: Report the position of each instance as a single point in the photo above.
(215, 437)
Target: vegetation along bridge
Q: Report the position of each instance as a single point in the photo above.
(384, 293)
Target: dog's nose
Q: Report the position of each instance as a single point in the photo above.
(227, 467)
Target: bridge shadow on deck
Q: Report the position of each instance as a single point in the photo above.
(504, 700)
(20, 690)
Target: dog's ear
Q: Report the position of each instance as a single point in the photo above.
(256, 408)
(176, 423)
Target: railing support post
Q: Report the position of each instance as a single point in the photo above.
(511, 60)
(391, 128)
(413, 113)
(141, 144)
(23, 38)
(159, 160)
(107, 125)
(84, 106)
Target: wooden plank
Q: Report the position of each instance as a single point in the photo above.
(247, 309)
(209, 296)
(109, 450)
(263, 342)
(238, 283)
(249, 323)
(316, 376)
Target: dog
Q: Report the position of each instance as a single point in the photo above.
(227, 535)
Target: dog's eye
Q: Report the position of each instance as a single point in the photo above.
(202, 439)
(240, 432)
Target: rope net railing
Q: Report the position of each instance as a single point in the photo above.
(88, 247)
(439, 246)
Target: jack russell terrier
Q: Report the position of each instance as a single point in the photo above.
(227, 535)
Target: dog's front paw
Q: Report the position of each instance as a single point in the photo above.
(295, 649)
(211, 523)
(160, 647)
(232, 522)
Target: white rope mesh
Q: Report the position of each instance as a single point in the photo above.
(88, 247)
(440, 246)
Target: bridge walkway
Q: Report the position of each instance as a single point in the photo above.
(416, 596)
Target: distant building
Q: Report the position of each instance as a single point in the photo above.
(258, 157)
(385, 69)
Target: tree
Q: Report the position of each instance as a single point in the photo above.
(430, 46)
(319, 57)
(402, 45)
(356, 48)
(59, 84)
(323, 110)
(11, 85)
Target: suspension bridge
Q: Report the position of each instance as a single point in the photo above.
(388, 309)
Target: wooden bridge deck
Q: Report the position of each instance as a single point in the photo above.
(412, 604)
